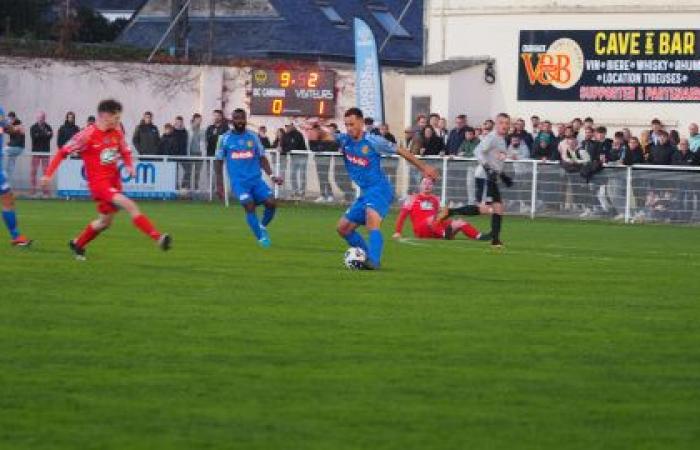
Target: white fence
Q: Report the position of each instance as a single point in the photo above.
(628, 194)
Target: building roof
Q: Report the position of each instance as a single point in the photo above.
(286, 28)
(448, 66)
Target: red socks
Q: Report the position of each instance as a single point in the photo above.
(88, 234)
(470, 231)
(142, 223)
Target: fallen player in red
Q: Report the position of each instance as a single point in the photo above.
(423, 208)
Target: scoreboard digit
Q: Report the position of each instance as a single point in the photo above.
(293, 93)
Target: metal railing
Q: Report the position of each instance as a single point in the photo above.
(633, 194)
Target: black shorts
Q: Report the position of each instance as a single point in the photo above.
(493, 192)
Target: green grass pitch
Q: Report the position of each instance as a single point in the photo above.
(577, 336)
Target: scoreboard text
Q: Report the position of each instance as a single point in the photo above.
(293, 93)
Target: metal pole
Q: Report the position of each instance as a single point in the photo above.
(278, 157)
(628, 195)
(533, 195)
(443, 196)
(211, 179)
(170, 28)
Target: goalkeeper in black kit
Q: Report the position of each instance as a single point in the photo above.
(491, 153)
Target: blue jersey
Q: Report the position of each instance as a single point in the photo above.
(363, 159)
(242, 153)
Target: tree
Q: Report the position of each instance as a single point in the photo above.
(25, 18)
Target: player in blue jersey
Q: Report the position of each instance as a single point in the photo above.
(362, 154)
(9, 216)
(245, 161)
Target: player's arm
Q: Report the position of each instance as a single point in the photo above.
(76, 145)
(264, 162)
(426, 169)
(126, 155)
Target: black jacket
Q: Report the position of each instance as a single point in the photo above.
(265, 141)
(687, 159)
(181, 140)
(41, 137)
(293, 140)
(146, 139)
(434, 145)
(168, 145)
(17, 139)
(631, 157)
(661, 154)
(323, 146)
(212, 135)
(66, 132)
(454, 140)
(524, 136)
(616, 153)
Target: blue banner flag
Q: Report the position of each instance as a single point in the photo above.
(368, 79)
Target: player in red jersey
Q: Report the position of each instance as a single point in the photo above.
(101, 146)
(423, 208)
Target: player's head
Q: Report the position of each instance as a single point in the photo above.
(109, 114)
(502, 124)
(354, 122)
(426, 186)
(239, 120)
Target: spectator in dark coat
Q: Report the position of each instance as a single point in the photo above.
(432, 144)
(292, 139)
(262, 134)
(181, 136)
(661, 153)
(67, 130)
(168, 142)
(618, 148)
(386, 134)
(525, 137)
(456, 135)
(214, 131)
(633, 154)
(601, 135)
(41, 134)
(146, 137)
(683, 156)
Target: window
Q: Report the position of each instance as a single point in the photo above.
(419, 105)
(331, 14)
(390, 24)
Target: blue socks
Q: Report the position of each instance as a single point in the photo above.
(254, 224)
(376, 245)
(268, 215)
(355, 239)
(10, 219)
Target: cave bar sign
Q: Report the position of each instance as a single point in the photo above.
(609, 66)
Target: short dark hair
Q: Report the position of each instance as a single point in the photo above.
(218, 111)
(601, 129)
(577, 119)
(357, 112)
(589, 119)
(619, 135)
(196, 116)
(238, 111)
(179, 118)
(535, 117)
(369, 121)
(502, 116)
(462, 116)
(469, 130)
(148, 113)
(333, 125)
(434, 115)
(91, 118)
(656, 122)
(262, 128)
(110, 106)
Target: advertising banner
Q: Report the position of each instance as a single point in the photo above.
(609, 66)
(368, 79)
(157, 180)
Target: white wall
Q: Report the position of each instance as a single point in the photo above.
(31, 85)
(436, 87)
(465, 28)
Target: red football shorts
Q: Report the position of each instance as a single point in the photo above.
(434, 230)
(103, 193)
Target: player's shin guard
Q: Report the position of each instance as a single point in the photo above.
(87, 236)
(376, 245)
(10, 219)
(469, 231)
(467, 210)
(268, 215)
(355, 239)
(142, 223)
(496, 226)
(253, 223)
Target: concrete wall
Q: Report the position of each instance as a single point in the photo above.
(465, 28)
(30, 85)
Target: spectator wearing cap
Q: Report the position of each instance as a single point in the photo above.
(693, 137)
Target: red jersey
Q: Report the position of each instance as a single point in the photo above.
(100, 151)
(422, 209)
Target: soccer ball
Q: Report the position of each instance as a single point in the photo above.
(354, 258)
